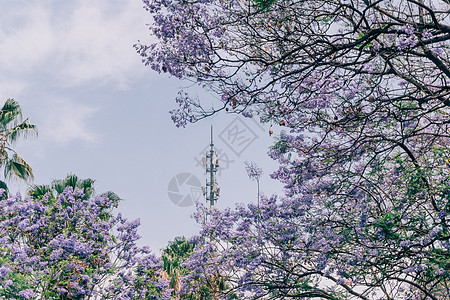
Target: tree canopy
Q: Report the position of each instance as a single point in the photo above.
(59, 244)
(362, 90)
(296, 54)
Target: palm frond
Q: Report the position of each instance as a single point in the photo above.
(3, 186)
(61, 184)
(113, 197)
(4, 156)
(24, 129)
(18, 167)
(87, 185)
(58, 185)
(71, 180)
(10, 111)
(11, 128)
(38, 191)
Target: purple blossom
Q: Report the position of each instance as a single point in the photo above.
(408, 29)
(75, 240)
(253, 171)
(440, 272)
(438, 51)
(4, 270)
(426, 35)
(56, 254)
(27, 294)
(362, 121)
(404, 244)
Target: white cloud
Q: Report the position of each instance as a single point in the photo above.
(97, 43)
(49, 45)
(66, 121)
(10, 87)
(27, 39)
(74, 42)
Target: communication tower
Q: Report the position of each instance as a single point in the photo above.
(211, 163)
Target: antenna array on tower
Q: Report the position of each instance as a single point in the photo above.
(211, 163)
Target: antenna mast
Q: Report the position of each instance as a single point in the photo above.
(211, 163)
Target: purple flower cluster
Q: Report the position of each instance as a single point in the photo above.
(253, 171)
(70, 246)
(363, 99)
(343, 212)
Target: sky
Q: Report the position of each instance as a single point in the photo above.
(102, 114)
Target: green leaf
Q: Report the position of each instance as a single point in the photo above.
(17, 167)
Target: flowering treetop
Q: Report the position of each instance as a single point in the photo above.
(284, 55)
(72, 247)
(363, 88)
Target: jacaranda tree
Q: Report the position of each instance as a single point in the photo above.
(63, 245)
(285, 56)
(362, 89)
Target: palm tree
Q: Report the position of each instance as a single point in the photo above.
(59, 185)
(173, 257)
(12, 127)
(87, 185)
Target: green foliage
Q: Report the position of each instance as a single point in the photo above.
(12, 128)
(19, 281)
(57, 187)
(264, 4)
(173, 256)
(87, 185)
(281, 144)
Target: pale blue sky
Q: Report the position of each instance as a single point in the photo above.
(104, 115)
